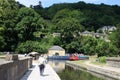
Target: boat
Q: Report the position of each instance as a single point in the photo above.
(69, 57)
(74, 57)
(58, 57)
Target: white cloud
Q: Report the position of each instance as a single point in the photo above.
(28, 2)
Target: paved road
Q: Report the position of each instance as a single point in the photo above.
(34, 73)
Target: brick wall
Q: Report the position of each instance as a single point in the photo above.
(14, 70)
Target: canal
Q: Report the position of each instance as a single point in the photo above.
(69, 73)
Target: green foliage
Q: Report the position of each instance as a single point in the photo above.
(102, 59)
(73, 47)
(106, 49)
(69, 26)
(7, 22)
(24, 30)
(30, 46)
(57, 41)
(69, 29)
(1, 11)
(38, 46)
(4, 3)
(29, 22)
(94, 15)
(66, 13)
(60, 15)
(89, 45)
(2, 43)
(115, 37)
(67, 23)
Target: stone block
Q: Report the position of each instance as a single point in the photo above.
(12, 57)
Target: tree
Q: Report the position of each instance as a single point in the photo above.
(107, 20)
(106, 49)
(2, 41)
(88, 45)
(28, 23)
(115, 37)
(69, 28)
(29, 46)
(9, 10)
(57, 40)
(72, 47)
(66, 13)
(60, 15)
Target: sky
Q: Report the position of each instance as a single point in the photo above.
(47, 3)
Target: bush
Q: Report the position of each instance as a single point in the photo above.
(32, 46)
(102, 59)
(29, 46)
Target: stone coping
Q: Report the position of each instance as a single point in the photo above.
(97, 69)
(3, 61)
(113, 59)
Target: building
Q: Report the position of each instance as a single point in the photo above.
(56, 50)
(56, 34)
(86, 33)
(95, 35)
(108, 29)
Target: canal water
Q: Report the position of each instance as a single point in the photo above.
(69, 73)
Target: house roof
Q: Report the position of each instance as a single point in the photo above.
(98, 34)
(86, 32)
(56, 48)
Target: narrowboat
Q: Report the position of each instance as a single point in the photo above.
(69, 57)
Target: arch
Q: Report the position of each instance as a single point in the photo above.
(56, 54)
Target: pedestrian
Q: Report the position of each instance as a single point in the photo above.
(42, 64)
(25, 54)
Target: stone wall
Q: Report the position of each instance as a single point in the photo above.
(14, 70)
(113, 62)
(105, 74)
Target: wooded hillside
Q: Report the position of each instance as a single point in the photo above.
(24, 29)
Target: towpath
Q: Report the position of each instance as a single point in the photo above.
(34, 73)
(105, 70)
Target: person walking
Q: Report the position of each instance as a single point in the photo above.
(42, 62)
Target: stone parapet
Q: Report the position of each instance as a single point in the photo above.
(14, 70)
(10, 57)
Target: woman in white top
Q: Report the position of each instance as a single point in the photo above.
(42, 62)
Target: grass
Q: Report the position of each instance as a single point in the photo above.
(98, 63)
(92, 60)
(2, 56)
(79, 61)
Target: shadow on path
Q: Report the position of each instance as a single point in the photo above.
(28, 72)
(45, 75)
(42, 71)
